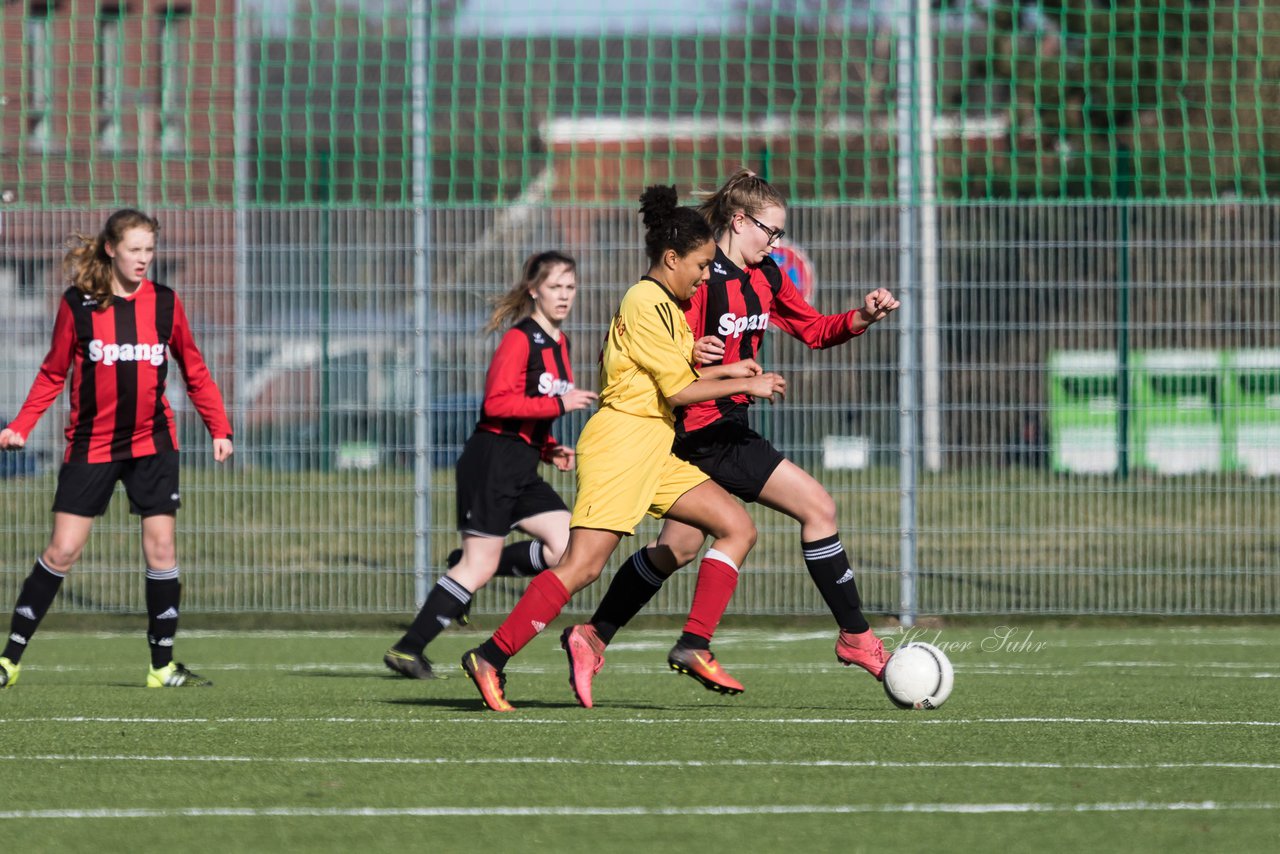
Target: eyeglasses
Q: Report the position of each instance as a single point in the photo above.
(774, 234)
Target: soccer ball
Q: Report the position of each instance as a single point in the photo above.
(918, 676)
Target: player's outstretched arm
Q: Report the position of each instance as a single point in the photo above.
(762, 385)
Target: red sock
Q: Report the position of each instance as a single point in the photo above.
(717, 579)
(540, 604)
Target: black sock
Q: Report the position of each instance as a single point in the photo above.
(521, 558)
(829, 567)
(632, 587)
(444, 603)
(33, 603)
(689, 640)
(164, 591)
(493, 654)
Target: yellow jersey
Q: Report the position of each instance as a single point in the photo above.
(648, 353)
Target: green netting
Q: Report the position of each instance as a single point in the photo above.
(579, 101)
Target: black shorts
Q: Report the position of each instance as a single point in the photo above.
(733, 455)
(151, 482)
(498, 485)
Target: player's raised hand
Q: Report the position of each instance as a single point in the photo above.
(578, 398)
(767, 385)
(11, 440)
(707, 349)
(877, 305)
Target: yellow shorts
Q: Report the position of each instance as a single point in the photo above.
(626, 469)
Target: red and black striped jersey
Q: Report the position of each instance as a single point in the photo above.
(528, 375)
(737, 306)
(118, 361)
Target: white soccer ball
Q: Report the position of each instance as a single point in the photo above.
(918, 676)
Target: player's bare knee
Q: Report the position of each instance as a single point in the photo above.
(160, 554)
(472, 575)
(820, 511)
(741, 533)
(735, 527)
(59, 557)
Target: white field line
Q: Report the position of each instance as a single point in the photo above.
(649, 763)
(1217, 670)
(907, 719)
(572, 811)
(1182, 641)
(661, 639)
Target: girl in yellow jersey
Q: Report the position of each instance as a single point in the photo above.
(625, 465)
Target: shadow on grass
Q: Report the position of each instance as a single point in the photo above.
(522, 705)
(473, 703)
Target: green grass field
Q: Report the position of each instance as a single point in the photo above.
(1101, 736)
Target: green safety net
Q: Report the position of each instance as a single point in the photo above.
(567, 101)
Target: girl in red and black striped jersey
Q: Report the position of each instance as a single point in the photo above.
(114, 335)
(746, 294)
(529, 385)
